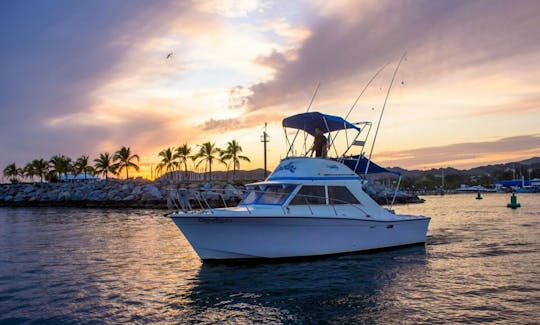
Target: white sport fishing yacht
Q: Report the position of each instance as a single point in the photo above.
(306, 207)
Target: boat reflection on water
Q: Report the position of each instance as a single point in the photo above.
(347, 288)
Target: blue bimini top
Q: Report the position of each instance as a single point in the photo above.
(309, 121)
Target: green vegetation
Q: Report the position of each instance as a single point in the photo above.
(59, 166)
(81, 166)
(13, 172)
(168, 160)
(124, 161)
(182, 153)
(207, 155)
(173, 159)
(232, 154)
(104, 165)
(487, 176)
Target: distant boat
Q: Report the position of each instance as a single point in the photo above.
(524, 189)
(476, 188)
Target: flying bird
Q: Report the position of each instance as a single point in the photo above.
(169, 55)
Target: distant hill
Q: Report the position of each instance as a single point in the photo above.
(453, 178)
(530, 161)
(415, 179)
(524, 165)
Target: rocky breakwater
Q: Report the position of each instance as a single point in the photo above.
(384, 195)
(117, 194)
(147, 194)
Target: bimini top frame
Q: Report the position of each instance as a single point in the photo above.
(330, 125)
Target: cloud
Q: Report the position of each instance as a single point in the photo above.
(440, 36)
(243, 122)
(525, 105)
(467, 154)
(53, 63)
(228, 8)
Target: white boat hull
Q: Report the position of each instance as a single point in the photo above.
(278, 237)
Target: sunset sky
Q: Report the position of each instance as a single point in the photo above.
(84, 77)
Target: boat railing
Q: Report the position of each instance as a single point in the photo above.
(206, 200)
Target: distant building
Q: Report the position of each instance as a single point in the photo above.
(78, 178)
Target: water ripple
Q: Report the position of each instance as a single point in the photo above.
(63, 266)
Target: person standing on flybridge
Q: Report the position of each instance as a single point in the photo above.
(319, 144)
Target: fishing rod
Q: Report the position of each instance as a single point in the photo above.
(382, 112)
(361, 93)
(366, 87)
(307, 110)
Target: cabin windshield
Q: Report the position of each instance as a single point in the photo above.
(272, 194)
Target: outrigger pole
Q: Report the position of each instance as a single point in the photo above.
(382, 112)
(298, 130)
(358, 98)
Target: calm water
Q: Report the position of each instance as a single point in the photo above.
(481, 264)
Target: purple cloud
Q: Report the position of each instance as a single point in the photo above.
(438, 35)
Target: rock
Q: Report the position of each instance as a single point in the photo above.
(64, 196)
(137, 190)
(229, 192)
(129, 198)
(207, 186)
(211, 195)
(77, 196)
(112, 195)
(19, 197)
(52, 195)
(152, 191)
(147, 197)
(96, 195)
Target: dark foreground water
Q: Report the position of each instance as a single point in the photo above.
(481, 264)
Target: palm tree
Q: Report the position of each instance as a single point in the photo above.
(61, 165)
(232, 154)
(41, 168)
(168, 160)
(29, 171)
(206, 155)
(82, 166)
(12, 171)
(104, 164)
(123, 160)
(182, 153)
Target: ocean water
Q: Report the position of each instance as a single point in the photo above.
(481, 263)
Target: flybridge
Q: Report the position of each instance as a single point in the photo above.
(331, 126)
(310, 169)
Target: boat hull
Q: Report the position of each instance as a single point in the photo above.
(215, 238)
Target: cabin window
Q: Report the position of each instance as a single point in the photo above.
(275, 194)
(341, 195)
(309, 195)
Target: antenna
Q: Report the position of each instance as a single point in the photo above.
(382, 112)
(264, 140)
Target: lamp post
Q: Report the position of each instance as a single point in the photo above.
(264, 140)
